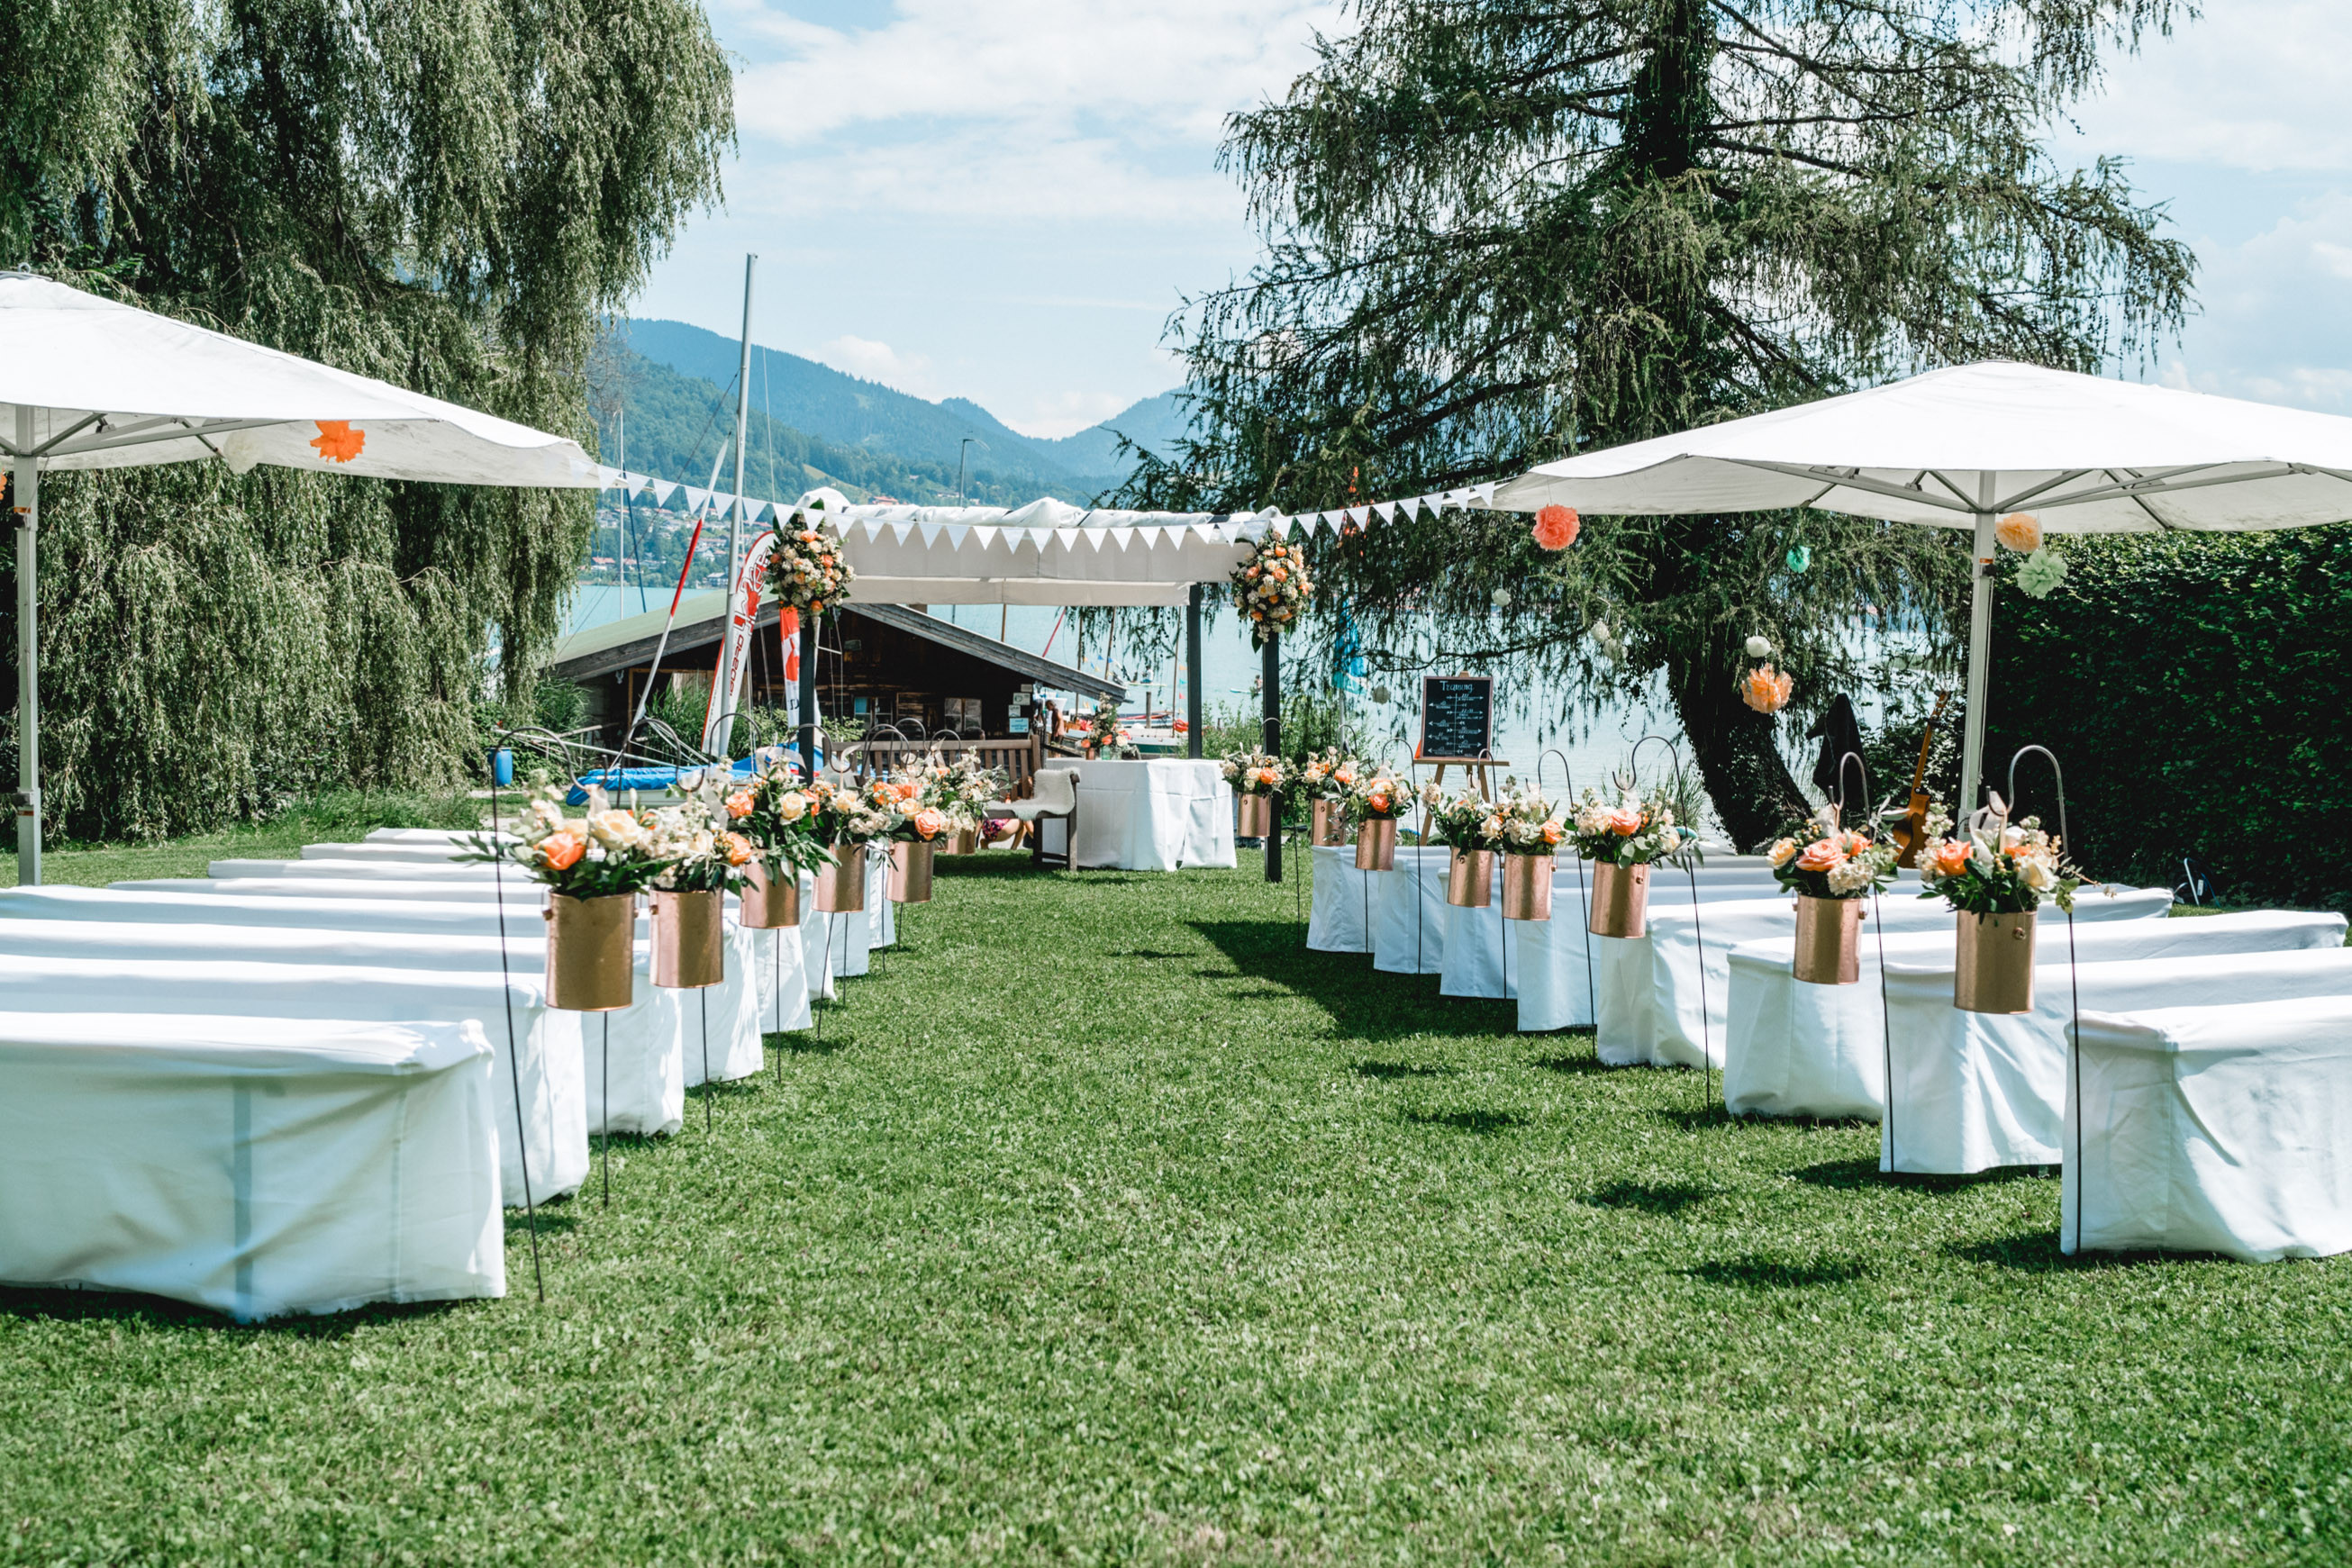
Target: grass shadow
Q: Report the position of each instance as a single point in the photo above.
(1592, 1064)
(1482, 1123)
(1764, 1273)
(1650, 1197)
(1363, 1003)
(93, 1305)
(1848, 1175)
(802, 1042)
(1386, 1070)
(2036, 1252)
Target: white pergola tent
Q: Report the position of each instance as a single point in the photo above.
(1963, 447)
(87, 382)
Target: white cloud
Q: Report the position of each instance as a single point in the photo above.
(1067, 413)
(2274, 325)
(2253, 84)
(880, 363)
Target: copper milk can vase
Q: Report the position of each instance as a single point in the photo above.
(910, 873)
(591, 951)
(841, 886)
(1470, 879)
(1828, 940)
(961, 841)
(772, 898)
(690, 939)
(1994, 968)
(1253, 816)
(1376, 844)
(1620, 899)
(1527, 886)
(1330, 827)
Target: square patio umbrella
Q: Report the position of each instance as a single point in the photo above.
(87, 382)
(1962, 447)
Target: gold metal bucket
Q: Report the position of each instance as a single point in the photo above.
(772, 901)
(841, 886)
(910, 873)
(1470, 879)
(1330, 825)
(1527, 886)
(1376, 844)
(1828, 940)
(1994, 973)
(962, 841)
(690, 939)
(591, 958)
(1253, 816)
(1620, 899)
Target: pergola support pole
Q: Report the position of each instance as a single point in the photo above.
(1194, 741)
(26, 500)
(1972, 742)
(1272, 745)
(808, 696)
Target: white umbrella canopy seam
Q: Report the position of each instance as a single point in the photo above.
(1960, 448)
(92, 383)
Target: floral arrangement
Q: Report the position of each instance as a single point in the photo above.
(779, 819)
(1634, 832)
(1839, 863)
(1465, 823)
(963, 789)
(605, 851)
(1531, 824)
(1271, 587)
(911, 794)
(1377, 799)
(842, 815)
(1255, 772)
(1999, 867)
(1103, 733)
(698, 855)
(806, 569)
(1326, 776)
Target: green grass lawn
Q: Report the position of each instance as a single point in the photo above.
(1107, 1224)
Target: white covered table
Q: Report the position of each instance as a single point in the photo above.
(2212, 1129)
(1158, 814)
(554, 1123)
(1482, 948)
(1795, 1049)
(1409, 911)
(254, 1165)
(1341, 900)
(1971, 1091)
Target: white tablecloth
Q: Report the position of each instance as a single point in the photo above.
(1482, 948)
(1802, 1050)
(257, 1167)
(1971, 1091)
(435, 869)
(554, 1103)
(2213, 1129)
(1342, 897)
(440, 852)
(1155, 815)
(1409, 911)
(1554, 988)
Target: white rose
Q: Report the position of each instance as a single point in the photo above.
(2038, 874)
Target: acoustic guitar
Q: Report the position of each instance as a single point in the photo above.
(1910, 833)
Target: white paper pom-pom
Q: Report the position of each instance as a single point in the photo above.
(1600, 631)
(1502, 599)
(1758, 647)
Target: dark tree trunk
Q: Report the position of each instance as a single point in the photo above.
(1732, 744)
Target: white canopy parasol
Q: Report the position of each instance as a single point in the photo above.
(1959, 448)
(87, 382)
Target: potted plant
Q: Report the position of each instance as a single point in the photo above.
(1623, 843)
(1994, 877)
(846, 823)
(1473, 829)
(702, 864)
(1831, 874)
(916, 826)
(779, 819)
(1256, 778)
(1372, 807)
(1531, 834)
(592, 866)
(1323, 780)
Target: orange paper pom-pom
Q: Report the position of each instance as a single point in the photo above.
(2021, 531)
(1765, 690)
(1556, 527)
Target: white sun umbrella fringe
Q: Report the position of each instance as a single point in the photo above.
(1963, 447)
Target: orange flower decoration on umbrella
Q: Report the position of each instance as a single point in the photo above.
(1765, 690)
(337, 442)
(1556, 527)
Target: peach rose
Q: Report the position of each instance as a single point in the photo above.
(1819, 855)
(562, 851)
(928, 822)
(1556, 527)
(737, 848)
(1551, 832)
(1949, 857)
(1624, 822)
(1784, 850)
(739, 804)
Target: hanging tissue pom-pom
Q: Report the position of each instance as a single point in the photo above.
(2021, 531)
(1800, 556)
(1600, 631)
(1381, 695)
(1556, 527)
(1765, 689)
(1502, 599)
(1757, 647)
(2041, 574)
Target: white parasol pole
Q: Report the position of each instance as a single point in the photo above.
(1980, 651)
(28, 504)
(726, 676)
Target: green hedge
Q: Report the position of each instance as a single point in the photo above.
(2199, 691)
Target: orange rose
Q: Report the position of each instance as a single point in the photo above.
(1951, 858)
(1551, 832)
(739, 804)
(927, 822)
(562, 851)
(1625, 822)
(737, 848)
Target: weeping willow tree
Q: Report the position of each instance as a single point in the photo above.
(447, 196)
(1500, 234)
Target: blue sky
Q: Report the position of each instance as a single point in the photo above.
(1003, 199)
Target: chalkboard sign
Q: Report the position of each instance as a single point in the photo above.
(1457, 716)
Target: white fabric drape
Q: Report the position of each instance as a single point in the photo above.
(1408, 913)
(1159, 815)
(1341, 900)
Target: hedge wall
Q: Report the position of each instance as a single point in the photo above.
(2198, 690)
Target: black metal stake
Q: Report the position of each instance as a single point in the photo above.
(606, 1151)
(702, 1002)
(514, 1052)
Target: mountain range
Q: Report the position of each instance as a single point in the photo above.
(677, 389)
